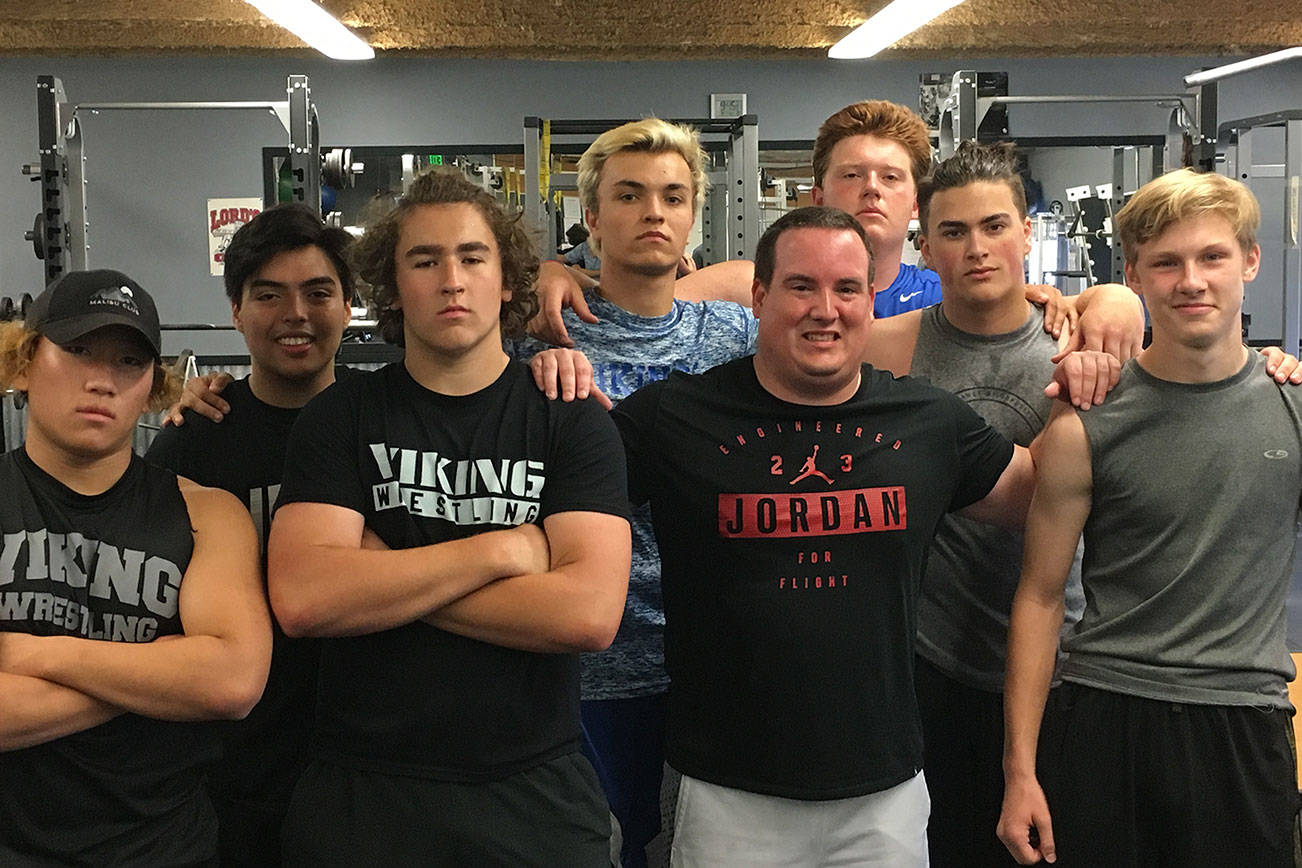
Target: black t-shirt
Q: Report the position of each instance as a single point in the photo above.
(424, 468)
(792, 541)
(107, 567)
(245, 455)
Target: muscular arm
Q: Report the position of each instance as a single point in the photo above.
(1007, 502)
(216, 669)
(723, 281)
(35, 711)
(323, 583)
(1057, 516)
(892, 341)
(575, 606)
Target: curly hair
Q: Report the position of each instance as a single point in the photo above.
(18, 346)
(874, 117)
(375, 253)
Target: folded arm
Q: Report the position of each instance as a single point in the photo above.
(35, 711)
(216, 669)
(323, 583)
(576, 605)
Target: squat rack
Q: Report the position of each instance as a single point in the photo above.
(730, 216)
(59, 234)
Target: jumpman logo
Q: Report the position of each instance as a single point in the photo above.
(809, 469)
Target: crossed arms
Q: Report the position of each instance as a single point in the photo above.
(558, 588)
(58, 685)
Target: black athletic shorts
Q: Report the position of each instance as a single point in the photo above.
(550, 815)
(963, 750)
(1141, 782)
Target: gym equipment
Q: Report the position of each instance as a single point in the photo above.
(730, 216)
(1234, 139)
(976, 109)
(1194, 138)
(59, 233)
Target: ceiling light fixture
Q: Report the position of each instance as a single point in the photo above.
(891, 24)
(315, 26)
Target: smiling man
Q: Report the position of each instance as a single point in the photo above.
(794, 496)
(1168, 742)
(458, 538)
(130, 600)
(289, 285)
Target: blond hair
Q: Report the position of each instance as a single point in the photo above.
(18, 346)
(649, 135)
(1182, 194)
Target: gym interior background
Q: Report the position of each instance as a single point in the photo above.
(150, 173)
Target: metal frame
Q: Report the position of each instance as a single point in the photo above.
(1234, 139)
(730, 214)
(61, 231)
(964, 110)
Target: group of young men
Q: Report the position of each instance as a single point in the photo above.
(800, 600)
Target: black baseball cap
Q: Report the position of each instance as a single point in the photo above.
(78, 302)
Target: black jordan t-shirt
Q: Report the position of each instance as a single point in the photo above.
(107, 567)
(424, 468)
(792, 541)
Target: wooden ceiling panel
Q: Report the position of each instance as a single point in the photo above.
(618, 29)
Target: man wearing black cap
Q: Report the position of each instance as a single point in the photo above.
(130, 600)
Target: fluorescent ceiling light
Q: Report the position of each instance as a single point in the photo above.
(315, 26)
(894, 22)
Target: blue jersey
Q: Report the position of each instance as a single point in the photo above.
(912, 288)
(627, 352)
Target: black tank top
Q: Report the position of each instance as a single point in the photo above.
(106, 567)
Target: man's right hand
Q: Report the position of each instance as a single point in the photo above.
(1024, 824)
(557, 288)
(530, 549)
(1083, 378)
(202, 394)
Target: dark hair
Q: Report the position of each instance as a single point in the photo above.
(812, 217)
(576, 234)
(375, 252)
(288, 226)
(874, 117)
(971, 163)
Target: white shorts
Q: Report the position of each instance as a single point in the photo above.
(718, 827)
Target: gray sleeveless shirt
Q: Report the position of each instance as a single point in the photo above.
(1189, 542)
(973, 568)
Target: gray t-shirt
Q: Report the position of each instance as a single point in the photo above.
(973, 568)
(1189, 541)
(627, 352)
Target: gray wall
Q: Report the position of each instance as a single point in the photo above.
(151, 173)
